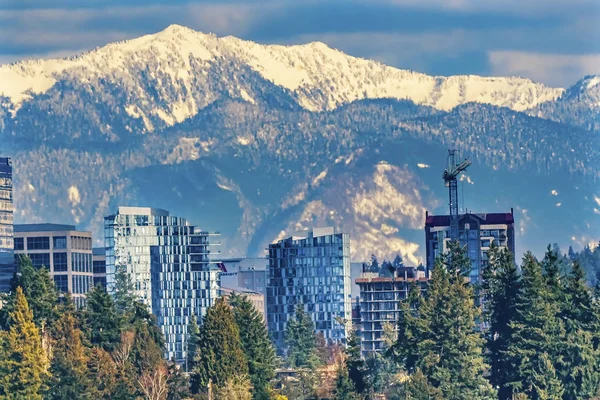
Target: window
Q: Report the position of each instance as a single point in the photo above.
(99, 267)
(19, 244)
(60, 262)
(60, 242)
(40, 260)
(38, 243)
(62, 283)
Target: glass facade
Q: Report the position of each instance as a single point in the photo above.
(168, 261)
(312, 269)
(7, 265)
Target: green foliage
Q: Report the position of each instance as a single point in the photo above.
(220, 356)
(38, 288)
(193, 334)
(124, 292)
(102, 373)
(355, 364)
(69, 376)
(537, 330)
(237, 387)
(179, 383)
(257, 346)
(23, 360)
(301, 340)
(438, 336)
(101, 319)
(501, 286)
(344, 386)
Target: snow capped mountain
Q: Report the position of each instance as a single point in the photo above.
(168, 76)
(255, 140)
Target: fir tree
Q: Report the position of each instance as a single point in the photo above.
(102, 374)
(344, 387)
(38, 287)
(23, 361)
(448, 349)
(578, 367)
(101, 319)
(501, 285)
(257, 346)
(301, 340)
(179, 383)
(69, 364)
(355, 364)
(193, 333)
(124, 292)
(219, 356)
(419, 388)
(535, 330)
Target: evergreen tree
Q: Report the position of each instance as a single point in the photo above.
(38, 287)
(193, 333)
(344, 387)
(102, 374)
(301, 340)
(448, 349)
(535, 330)
(179, 383)
(124, 292)
(398, 262)
(23, 361)
(545, 384)
(374, 264)
(579, 361)
(69, 363)
(355, 364)
(219, 356)
(419, 388)
(501, 285)
(101, 319)
(257, 346)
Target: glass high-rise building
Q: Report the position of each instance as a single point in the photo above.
(7, 265)
(169, 263)
(310, 268)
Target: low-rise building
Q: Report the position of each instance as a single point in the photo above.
(63, 250)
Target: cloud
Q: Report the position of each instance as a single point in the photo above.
(554, 192)
(553, 69)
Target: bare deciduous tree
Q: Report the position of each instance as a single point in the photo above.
(154, 383)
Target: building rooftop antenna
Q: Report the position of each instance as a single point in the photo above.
(450, 174)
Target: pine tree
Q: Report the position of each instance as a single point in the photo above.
(536, 329)
(69, 363)
(102, 374)
(344, 387)
(448, 349)
(193, 333)
(124, 292)
(355, 364)
(38, 287)
(301, 340)
(257, 346)
(219, 356)
(23, 361)
(579, 363)
(501, 285)
(101, 319)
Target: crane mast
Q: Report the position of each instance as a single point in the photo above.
(450, 179)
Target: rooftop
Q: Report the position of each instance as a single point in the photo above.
(126, 210)
(45, 227)
(486, 218)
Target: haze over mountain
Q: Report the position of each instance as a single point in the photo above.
(257, 141)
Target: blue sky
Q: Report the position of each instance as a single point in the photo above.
(552, 41)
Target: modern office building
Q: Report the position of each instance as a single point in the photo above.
(310, 268)
(475, 231)
(379, 303)
(99, 266)
(169, 265)
(65, 251)
(7, 265)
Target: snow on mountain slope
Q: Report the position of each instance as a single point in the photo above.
(167, 75)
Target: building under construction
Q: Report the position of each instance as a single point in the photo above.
(474, 231)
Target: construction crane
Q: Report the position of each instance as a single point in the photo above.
(450, 174)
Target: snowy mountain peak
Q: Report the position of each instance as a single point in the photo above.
(168, 76)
